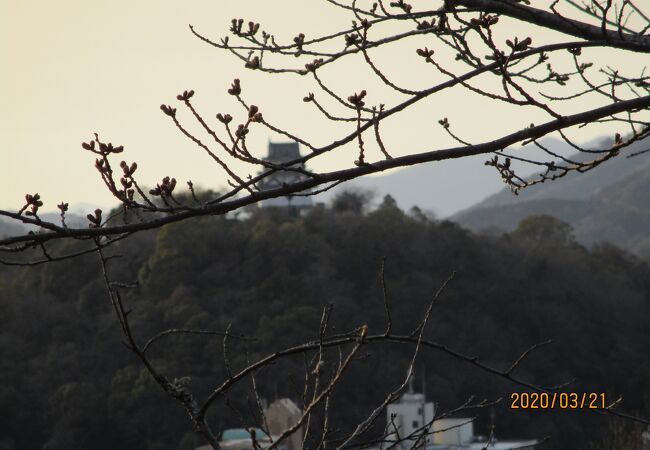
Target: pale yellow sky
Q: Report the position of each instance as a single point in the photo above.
(73, 67)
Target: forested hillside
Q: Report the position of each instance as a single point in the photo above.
(67, 381)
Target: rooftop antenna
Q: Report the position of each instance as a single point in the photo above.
(492, 425)
(424, 382)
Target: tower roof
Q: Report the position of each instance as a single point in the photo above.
(283, 151)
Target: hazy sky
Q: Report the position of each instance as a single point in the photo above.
(73, 67)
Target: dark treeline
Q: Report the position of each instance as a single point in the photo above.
(67, 381)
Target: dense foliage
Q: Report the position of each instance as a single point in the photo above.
(67, 382)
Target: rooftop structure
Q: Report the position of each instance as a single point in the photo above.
(280, 153)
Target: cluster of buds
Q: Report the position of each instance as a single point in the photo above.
(315, 64)
(253, 114)
(444, 122)
(100, 165)
(224, 118)
(494, 162)
(425, 53)
(308, 98)
(235, 88)
(253, 63)
(299, 40)
(126, 184)
(559, 78)
(168, 110)
(266, 37)
(108, 148)
(104, 149)
(485, 21)
(241, 132)
(128, 170)
(127, 179)
(357, 99)
(424, 25)
(165, 189)
(363, 23)
(404, 6)
(185, 96)
(519, 46)
(584, 66)
(503, 167)
(33, 202)
(237, 26)
(95, 220)
(63, 207)
(351, 39)
(90, 146)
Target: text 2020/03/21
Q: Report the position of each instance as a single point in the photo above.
(559, 400)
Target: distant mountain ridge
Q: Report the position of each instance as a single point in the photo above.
(609, 203)
(9, 227)
(444, 187)
(579, 185)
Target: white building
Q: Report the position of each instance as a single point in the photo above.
(410, 418)
(456, 431)
(281, 415)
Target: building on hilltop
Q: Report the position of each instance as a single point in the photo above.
(280, 153)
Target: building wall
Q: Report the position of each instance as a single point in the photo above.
(453, 431)
(281, 415)
(411, 413)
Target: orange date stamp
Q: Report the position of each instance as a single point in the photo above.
(557, 400)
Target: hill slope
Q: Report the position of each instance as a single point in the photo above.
(609, 203)
(578, 185)
(270, 277)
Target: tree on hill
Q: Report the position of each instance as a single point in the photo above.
(544, 229)
(557, 84)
